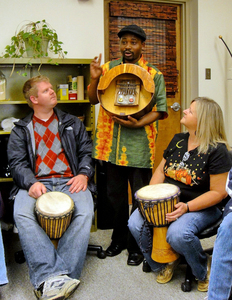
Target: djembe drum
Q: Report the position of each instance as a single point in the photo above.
(126, 89)
(154, 202)
(54, 212)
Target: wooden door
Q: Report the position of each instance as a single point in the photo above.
(161, 22)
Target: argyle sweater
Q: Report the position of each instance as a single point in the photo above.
(50, 157)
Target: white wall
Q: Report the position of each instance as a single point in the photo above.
(215, 19)
(79, 24)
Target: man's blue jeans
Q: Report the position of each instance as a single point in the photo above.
(3, 273)
(182, 236)
(220, 282)
(43, 259)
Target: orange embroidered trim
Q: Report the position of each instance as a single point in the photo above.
(151, 131)
(104, 136)
(123, 161)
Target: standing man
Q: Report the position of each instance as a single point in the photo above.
(117, 139)
(50, 150)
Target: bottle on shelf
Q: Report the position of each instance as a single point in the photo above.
(2, 86)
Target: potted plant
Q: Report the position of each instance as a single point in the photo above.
(33, 40)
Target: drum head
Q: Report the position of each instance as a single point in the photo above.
(161, 191)
(54, 204)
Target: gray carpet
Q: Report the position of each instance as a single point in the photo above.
(103, 279)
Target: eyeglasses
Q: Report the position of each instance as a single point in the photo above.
(184, 158)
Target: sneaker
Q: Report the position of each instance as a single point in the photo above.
(166, 274)
(38, 293)
(59, 288)
(204, 284)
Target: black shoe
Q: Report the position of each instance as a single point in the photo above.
(114, 249)
(134, 259)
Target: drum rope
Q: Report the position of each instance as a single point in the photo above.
(146, 228)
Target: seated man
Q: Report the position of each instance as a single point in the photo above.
(220, 282)
(50, 150)
(3, 272)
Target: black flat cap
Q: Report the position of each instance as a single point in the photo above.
(134, 29)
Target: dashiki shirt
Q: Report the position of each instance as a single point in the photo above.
(126, 146)
(191, 171)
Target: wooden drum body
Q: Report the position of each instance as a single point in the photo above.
(54, 212)
(126, 89)
(154, 202)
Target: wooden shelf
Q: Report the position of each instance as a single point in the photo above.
(2, 179)
(9, 102)
(4, 132)
(48, 61)
(57, 71)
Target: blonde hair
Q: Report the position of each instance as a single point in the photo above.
(210, 125)
(30, 87)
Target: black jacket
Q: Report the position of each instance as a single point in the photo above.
(21, 150)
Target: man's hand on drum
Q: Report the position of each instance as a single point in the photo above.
(78, 183)
(37, 189)
(181, 208)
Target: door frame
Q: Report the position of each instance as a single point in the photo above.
(189, 45)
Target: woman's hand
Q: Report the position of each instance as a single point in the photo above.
(181, 208)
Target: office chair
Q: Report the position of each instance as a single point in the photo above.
(96, 248)
(207, 233)
(186, 286)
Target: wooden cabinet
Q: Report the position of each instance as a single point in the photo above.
(57, 70)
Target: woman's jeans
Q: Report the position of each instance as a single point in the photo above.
(3, 274)
(220, 282)
(43, 259)
(182, 236)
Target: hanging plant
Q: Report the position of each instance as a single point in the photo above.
(33, 40)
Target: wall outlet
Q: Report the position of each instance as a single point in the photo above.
(229, 74)
(207, 73)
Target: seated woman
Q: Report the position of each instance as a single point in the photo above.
(201, 154)
(220, 282)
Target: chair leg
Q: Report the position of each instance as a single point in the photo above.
(186, 286)
(146, 267)
(100, 252)
(19, 257)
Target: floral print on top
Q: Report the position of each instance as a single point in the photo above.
(191, 171)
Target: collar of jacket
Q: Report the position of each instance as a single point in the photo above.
(65, 119)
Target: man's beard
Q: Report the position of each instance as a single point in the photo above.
(126, 58)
